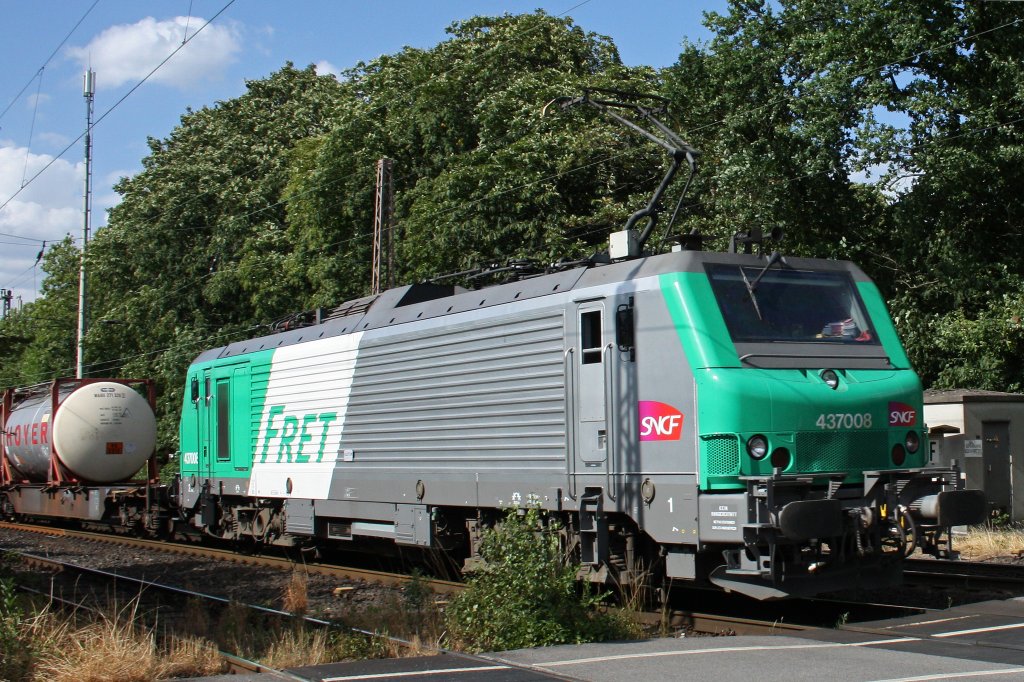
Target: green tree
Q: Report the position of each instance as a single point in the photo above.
(480, 176)
(196, 253)
(42, 337)
(792, 102)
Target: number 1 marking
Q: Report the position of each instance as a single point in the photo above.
(670, 505)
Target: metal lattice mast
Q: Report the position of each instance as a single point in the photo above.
(382, 243)
(89, 91)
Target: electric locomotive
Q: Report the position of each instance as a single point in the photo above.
(728, 416)
(746, 419)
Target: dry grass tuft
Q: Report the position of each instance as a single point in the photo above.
(417, 646)
(188, 657)
(297, 647)
(296, 594)
(113, 647)
(987, 542)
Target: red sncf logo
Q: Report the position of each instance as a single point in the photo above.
(659, 421)
(901, 414)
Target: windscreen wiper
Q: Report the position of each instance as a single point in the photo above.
(776, 257)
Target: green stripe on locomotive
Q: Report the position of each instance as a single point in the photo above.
(792, 408)
(235, 387)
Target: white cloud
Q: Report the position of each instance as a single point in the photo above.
(32, 101)
(325, 68)
(126, 53)
(48, 208)
(55, 140)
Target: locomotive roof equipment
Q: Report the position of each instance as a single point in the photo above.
(628, 244)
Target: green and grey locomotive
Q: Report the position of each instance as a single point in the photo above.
(746, 419)
(700, 414)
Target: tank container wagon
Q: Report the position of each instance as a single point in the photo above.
(82, 450)
(748, 419)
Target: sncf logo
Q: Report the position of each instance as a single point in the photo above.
(659, 421)
(901, 414)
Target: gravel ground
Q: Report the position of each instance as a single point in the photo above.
(351, 602)
(328, 597)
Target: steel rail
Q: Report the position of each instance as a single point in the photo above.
(235, 664)
(970, 574)
(442, 587)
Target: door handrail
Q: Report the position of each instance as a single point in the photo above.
(609, 421)
(570, 420)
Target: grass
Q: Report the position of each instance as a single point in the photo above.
(295, 599)
(124, 644)
(128, 644)
(987, 542)
(108, 647)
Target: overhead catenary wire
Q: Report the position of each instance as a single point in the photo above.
(487, 52)
(115, 105)
(27, 239)
(497, 194)
(97, 367)
(101, 367)
(32, 127)
(26, 183)
(39, 71)
(283, 202)
(185, 41)
(494, 48)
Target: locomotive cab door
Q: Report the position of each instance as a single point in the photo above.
(590, 371)
(227, 446)
(205, 425)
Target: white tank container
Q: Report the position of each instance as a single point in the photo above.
(102, 433)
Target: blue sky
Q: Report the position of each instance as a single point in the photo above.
(124, 40)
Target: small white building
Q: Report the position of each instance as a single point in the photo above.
(984, 432)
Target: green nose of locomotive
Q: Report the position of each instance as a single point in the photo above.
(755, 422)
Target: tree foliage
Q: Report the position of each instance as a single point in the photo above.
(796, 102)
(886, 133)
(480, 175)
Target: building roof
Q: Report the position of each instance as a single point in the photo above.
(969, 395)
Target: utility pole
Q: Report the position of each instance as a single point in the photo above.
(383, 244)
(88, 91)
(5, 296)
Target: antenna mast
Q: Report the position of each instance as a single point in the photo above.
(88, 91)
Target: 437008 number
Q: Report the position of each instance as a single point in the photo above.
(844, 420)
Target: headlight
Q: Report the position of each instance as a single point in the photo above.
(899, 455)
(831, 378)
(757, 446)
(913, 441)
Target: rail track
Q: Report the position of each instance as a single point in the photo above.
(703, 618)
(970, 575)
(233, 663)
(712, 613)
(441, 587)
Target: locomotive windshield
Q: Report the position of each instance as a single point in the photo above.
(792, 306)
